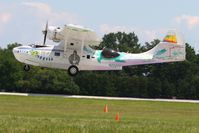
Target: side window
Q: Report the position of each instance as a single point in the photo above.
(88, 56)
(57, 53)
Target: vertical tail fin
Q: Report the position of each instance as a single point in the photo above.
(171, 49)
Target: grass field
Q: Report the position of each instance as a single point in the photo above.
(61, 115)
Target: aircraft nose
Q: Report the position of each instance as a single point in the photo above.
(15, 50)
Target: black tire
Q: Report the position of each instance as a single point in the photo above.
(26, 68)
(73, 70)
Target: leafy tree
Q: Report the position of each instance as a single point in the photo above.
(121, 41)
(179, 79)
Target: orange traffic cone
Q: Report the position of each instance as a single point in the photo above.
(106, 109)
(117, 117)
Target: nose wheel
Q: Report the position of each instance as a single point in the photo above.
(73, 70)
(26, 68)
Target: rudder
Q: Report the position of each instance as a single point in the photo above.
(171, 49)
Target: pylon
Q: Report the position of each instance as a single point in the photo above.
(117, 117)
(106, 109)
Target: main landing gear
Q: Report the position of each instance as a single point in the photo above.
(73, 70)
(26, 68)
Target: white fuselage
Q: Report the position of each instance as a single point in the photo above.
(74, 54)
(54, 57)
(88, 59)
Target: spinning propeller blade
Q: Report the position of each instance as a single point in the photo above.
(45, 33)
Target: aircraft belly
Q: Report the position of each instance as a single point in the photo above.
(60, 65)
(95, 65)
(138, 62)
(90, 67)
(31, 60)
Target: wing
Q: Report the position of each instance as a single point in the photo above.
(77, 35)
(77, 39)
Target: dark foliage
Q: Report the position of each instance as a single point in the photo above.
(180, 79)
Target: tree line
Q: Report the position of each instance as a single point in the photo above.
(165, 80)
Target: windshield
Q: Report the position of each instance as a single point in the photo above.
(88, 50)
(37, 46)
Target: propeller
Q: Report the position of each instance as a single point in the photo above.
(45, 33)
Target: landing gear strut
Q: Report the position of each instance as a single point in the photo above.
(26, 68)
(73, 70)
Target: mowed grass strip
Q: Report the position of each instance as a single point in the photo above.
(67, 115)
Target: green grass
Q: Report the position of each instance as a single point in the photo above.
(60, 115)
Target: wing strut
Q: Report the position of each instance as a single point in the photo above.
(65, 48)
(82, 47)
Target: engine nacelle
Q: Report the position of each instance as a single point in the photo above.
(54, 34)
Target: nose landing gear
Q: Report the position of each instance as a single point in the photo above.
(26, 68)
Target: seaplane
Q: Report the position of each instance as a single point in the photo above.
(73, 51)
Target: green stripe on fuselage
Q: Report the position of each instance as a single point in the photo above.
(116, 59)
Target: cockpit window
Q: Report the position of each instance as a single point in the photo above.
(32, 45)
(109, 53)
(88, 50)
(37, 46)
(57, 53)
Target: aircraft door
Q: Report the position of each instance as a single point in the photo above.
(74, 48)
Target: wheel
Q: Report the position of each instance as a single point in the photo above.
(73, 70)
(26, 68)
